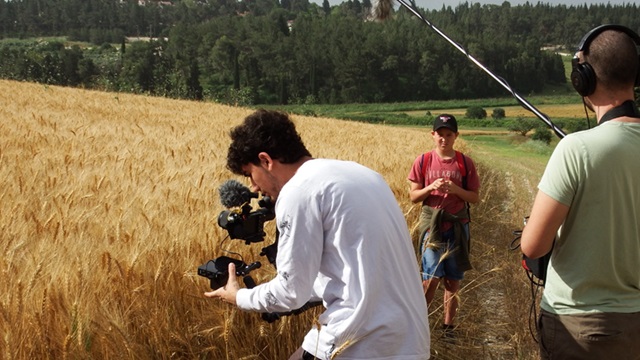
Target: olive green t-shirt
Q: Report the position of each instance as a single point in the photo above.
(595, 265)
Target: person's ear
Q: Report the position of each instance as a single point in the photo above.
(265, 160)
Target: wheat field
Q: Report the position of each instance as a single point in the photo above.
(109, 204)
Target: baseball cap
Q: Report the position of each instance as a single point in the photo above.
(445, 121)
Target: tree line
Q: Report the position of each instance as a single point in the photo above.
(291, 51)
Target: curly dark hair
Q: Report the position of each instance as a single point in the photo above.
(264, 131)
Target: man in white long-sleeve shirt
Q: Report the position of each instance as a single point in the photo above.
(343, 240)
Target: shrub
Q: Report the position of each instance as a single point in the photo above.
(561, 124)
(498, 113)
(310, 100)
(309, 112)
(235, 97)
(542, 134)
(476, 112)
(575, 126)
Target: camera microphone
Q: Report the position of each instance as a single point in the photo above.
(234, 194)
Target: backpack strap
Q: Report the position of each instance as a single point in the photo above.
(462, 165)
(425, 166)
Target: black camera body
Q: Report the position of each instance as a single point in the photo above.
(245, 224)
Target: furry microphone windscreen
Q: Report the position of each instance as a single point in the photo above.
(233, 193)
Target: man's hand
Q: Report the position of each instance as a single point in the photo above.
(546, 217)
(228, 292)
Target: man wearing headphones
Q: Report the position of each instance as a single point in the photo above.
(589, 201)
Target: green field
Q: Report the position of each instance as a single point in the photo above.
(559, 105)
(506, 151)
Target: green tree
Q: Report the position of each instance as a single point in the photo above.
(326, 7)
(137, 73)
(87, 72)
(522, 126)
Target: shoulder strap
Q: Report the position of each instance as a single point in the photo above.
(425, 166)
(462, 165)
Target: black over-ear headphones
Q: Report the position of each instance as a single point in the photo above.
(583, 77)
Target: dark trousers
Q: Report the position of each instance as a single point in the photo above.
(589, 336)
(307, 356)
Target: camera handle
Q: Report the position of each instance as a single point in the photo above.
(249, 282)
(246, 278)
(271, 252)
(271, 317)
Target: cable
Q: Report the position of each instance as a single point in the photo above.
(533, 314)
(586, 113)
(535, 284)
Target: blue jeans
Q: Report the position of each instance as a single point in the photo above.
(440, 262)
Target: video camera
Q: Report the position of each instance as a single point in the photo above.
(244, 224)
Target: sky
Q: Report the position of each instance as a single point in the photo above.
(437, 4)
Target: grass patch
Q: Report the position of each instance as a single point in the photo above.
(510, 151)
(557, 104)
